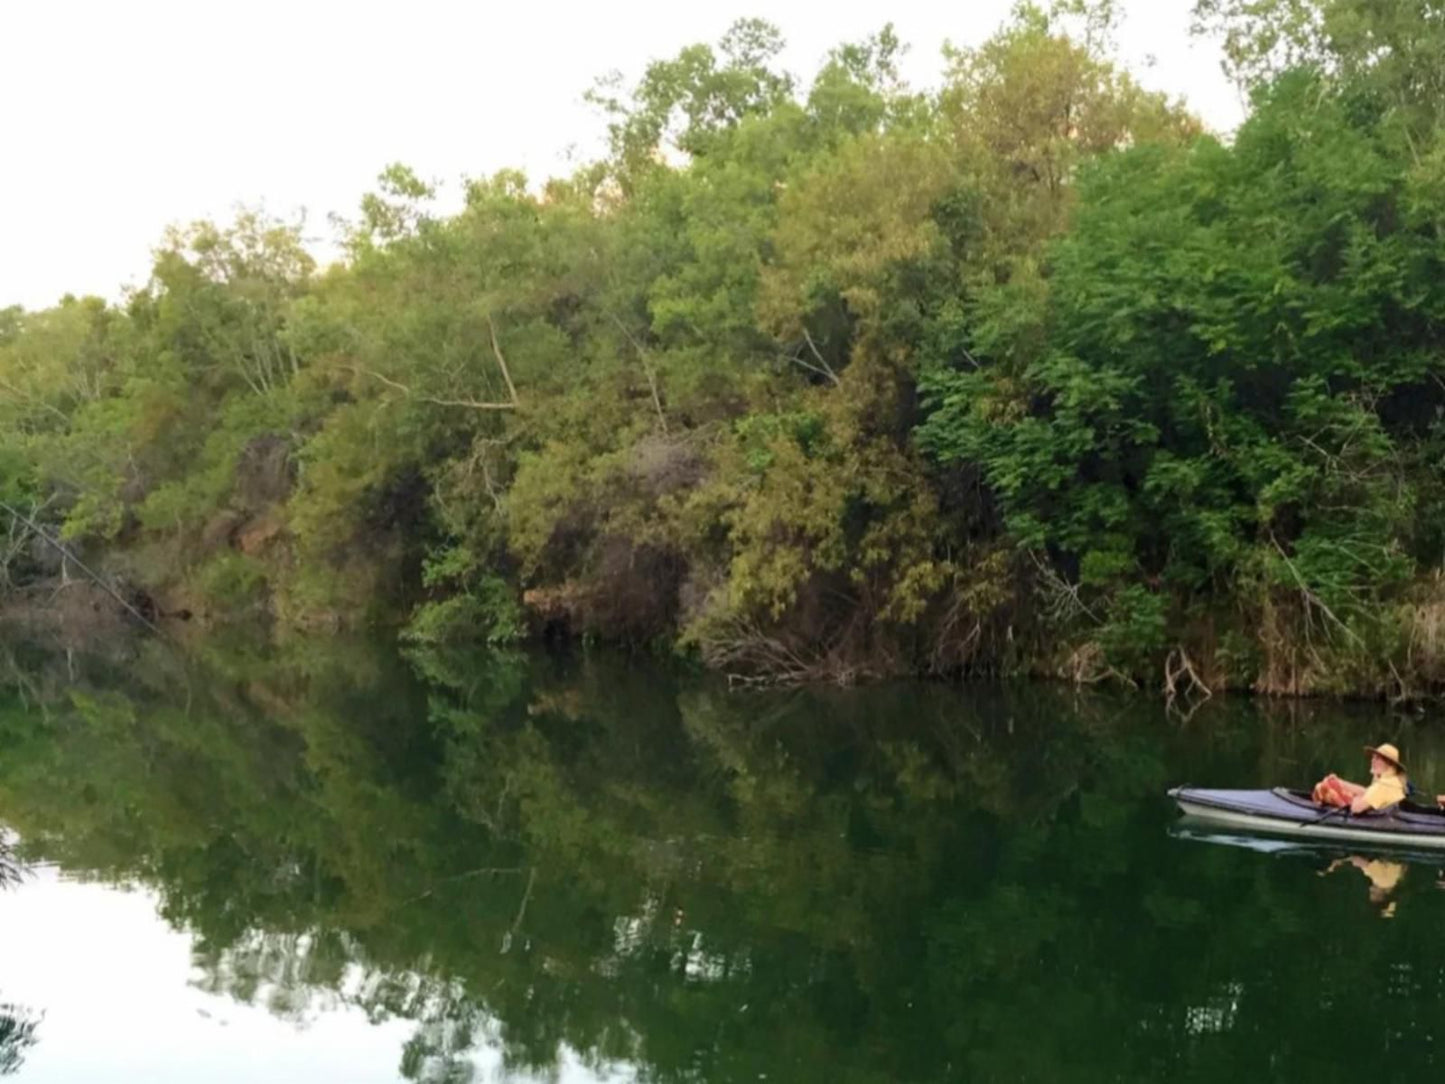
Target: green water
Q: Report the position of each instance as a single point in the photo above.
(334, 862)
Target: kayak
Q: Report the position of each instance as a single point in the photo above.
(1294, 813)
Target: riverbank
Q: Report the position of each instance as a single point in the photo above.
(1204, 664)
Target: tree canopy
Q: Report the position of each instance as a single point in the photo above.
(826, 379)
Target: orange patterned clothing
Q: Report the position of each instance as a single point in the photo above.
(1332, 790)
(1387, 790)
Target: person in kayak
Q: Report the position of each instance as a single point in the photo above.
(1388, 783)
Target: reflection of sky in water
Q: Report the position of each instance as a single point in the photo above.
(118, 992)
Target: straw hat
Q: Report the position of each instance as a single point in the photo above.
(1387, 752)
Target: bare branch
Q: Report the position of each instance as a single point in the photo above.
(25, 397)
(1062, 597)
(470, 404)
(1177, 667)
(1313, 599)
(828, 369)
(65, 552)
(646, 368)
(806, 364)
(501, 361)
(511, 934)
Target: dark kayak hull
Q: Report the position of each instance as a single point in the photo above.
(1292, 813)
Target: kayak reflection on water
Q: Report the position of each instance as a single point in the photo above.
(1383, 874)
(1383, 871)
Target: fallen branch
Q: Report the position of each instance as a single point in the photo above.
(1086, 665)
(1063, 599)
(66, 553)
(751, 657)
(1177, 665)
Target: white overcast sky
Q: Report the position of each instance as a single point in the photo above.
(123, 116)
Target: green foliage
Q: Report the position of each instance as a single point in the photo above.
(484, 608)
(231, 582)
(824, 380)
(690, 102)
(1234, 336)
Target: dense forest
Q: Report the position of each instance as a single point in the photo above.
(826, 380)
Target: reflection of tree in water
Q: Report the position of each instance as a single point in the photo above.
(10, 871)
(17, 1034)
(542, 860)
(300, 977)
(17, 1024)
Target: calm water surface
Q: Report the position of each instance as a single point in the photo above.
(333, 861)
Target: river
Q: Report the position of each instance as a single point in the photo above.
(333, 860)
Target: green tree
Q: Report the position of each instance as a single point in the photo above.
(1220, 412)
